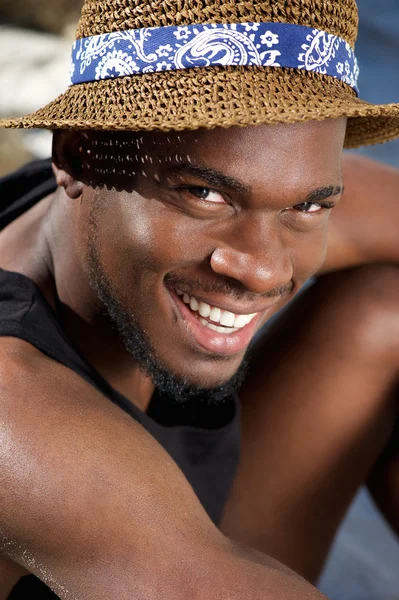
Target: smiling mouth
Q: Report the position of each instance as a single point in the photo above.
(213, 329)
(215, 318)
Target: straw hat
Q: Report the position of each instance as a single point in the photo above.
(212, 96)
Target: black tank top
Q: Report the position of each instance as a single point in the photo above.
(203, 439)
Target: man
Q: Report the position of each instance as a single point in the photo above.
(140, 283)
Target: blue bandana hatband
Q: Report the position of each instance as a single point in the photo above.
(149, 50)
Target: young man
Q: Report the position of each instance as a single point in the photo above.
(139, 283)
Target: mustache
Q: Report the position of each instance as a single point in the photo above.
(227, 287)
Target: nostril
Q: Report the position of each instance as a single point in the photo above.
(270, 278)
(218, 261)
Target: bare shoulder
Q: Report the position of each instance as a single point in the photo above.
(17, 351)
(18, 357)
(363, 227)
(31, 381)
(364, 176)
(79, 479)
(22, 371)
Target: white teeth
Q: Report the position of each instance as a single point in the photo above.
(241, 320)
(204, 309)
(194, 304)
(215, 315)
(227, 318)
(216, 328)
(228, 321)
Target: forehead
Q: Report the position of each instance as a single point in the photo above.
(281, 154)
(275, 149)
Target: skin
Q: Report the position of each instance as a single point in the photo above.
(329, 386)
(355, 440)
(161, 232)
(245, 251)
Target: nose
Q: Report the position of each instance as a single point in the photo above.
(256, 255)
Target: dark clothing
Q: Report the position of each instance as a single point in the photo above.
(203, 439)
(23, 189)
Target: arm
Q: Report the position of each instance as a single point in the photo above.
(383, 482)
(364, 226)
(92, 505)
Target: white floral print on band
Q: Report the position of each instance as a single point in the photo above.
(127, 53)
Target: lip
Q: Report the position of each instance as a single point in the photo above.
(210, 341)
(221, 302)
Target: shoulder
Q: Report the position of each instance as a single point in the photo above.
(28, 379)
(364, 177)
(18, 359)
(21, 363)
(363, 226)
(31, 383)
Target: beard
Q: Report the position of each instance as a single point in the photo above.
(137, 344)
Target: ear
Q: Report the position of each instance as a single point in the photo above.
(67, 161)
(72, 187)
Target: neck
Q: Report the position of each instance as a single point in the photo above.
(92, 333)
(81, 313)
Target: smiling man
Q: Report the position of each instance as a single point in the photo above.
(191, 202)
(187, 221)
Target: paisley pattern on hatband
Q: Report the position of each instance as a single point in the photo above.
(149, 50)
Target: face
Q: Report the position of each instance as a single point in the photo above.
(198, 238)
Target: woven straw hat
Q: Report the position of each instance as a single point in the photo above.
(216, 95)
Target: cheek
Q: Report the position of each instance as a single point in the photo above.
(140, 241)
(309, 253)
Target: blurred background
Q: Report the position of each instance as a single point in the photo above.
(35, 45)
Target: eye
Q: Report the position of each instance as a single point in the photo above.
(313, 207)
(207, 195)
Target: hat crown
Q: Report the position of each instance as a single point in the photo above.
(339, 17)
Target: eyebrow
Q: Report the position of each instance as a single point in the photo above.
(218, 179)
(323, 193)
(212, 177)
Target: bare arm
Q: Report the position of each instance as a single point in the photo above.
(364, 227)
(383, 482)
(92, 505)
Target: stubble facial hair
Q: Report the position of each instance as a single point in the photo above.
(136, 342)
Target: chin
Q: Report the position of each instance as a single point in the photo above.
(212, 380)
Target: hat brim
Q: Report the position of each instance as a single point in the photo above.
(215, 97)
